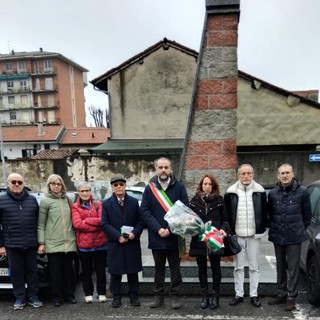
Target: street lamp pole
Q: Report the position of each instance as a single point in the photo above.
(4, 173)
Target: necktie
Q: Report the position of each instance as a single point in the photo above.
(121, 202)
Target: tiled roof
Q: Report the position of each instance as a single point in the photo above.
(85, 136)
(32, 133)
(39, 54)
(165, 44)
(55, 154)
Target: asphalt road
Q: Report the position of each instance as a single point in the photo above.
(190, 310)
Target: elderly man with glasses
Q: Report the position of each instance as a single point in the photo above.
(123, 225)
(18, 240)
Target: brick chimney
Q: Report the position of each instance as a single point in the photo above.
(210, 143)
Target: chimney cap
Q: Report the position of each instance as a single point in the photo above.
(223, 6)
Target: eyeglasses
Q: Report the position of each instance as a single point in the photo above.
(121, 184)
(14, 182)
(163, 167)
(56, 184)
(83, 191)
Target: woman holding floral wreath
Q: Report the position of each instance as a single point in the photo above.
(208, 204)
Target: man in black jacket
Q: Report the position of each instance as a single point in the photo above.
(18, 240)
(290, 214)
(163, 190)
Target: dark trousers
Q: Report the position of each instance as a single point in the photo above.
(288, 259)
(93, 260)
(203, 274)
(62, 275)
(133, 283)
(160, 257)
(24, 269)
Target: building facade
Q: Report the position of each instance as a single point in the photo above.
(39, 90)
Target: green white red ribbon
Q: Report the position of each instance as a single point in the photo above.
(211, 236)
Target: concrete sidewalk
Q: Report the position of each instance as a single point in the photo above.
(190, 275)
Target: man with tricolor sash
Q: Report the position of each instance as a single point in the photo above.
(160, 194)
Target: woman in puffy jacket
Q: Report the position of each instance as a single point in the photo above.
(208, 204)
(91, 242)
(56, 238)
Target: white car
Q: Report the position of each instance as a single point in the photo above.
(135, 192)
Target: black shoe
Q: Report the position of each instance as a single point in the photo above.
(135, 302)
(56, 303)
(116, 303)
(255, 301)
(235, 301)
(204, 302)
(70, 300)
(214, 303)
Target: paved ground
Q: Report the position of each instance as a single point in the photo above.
(190, 310)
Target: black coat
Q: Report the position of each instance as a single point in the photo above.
(211, 209)
(123, 258)
(19, 220)
(289, 213)
(153, 213)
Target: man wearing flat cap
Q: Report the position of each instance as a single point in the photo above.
(123, 225)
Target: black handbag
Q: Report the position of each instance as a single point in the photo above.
(231, 246)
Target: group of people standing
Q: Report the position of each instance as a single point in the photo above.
(108, 234)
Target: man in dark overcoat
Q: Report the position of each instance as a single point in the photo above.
(289, 210)
(122, 224)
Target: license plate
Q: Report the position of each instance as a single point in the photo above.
(4, 272)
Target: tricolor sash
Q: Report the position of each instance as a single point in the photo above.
(162, 197)
(166, 203)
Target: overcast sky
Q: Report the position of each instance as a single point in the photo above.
(278, 39)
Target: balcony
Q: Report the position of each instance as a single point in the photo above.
(5, 75)
(15, 90)
(12, 107)
(45, 72)
(17, 123)
(40, 90)
(36, 106)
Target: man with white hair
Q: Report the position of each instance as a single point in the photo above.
(246, 205)
(18, 240)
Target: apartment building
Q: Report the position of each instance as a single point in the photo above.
(41, 94)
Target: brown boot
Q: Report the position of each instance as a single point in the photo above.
(175, 302)
(290, 305)
(158, 301)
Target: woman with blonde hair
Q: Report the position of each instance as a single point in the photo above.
(57, 239)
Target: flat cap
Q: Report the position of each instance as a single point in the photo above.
(118, 178)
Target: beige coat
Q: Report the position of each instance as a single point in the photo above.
(55, 228)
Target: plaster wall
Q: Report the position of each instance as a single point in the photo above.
(266, 119)
(151, 99)
(139, 169)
